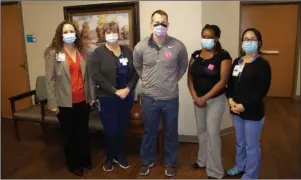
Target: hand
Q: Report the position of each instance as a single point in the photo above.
(199, 102)
(238, 109)
(232, 103)
(122, 93)
(92, 102)
(55, 110)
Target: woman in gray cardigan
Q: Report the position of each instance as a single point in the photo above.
(115, 79)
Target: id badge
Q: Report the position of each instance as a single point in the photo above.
(240, 68)
(61, 57)
(123, 61)
(235, 72)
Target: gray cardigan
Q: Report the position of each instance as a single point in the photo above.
(102, 67)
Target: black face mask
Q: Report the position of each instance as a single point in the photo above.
(160, 24)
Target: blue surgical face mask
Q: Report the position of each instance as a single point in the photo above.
(69, 38)
(249, 47)
(112, 38)
(207, 43)
(160, 30)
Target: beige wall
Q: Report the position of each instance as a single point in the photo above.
(225, 14)
(41, 19)
(186, 20)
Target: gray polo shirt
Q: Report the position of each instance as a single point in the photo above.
(160, 68)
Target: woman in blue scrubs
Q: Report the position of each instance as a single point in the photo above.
(249, 84)
(115, 79)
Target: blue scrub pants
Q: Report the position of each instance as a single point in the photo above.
(248, 151)
(114, 113)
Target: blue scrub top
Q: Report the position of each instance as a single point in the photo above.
(122, 73)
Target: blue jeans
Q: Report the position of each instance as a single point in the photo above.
(248, 152)
(152, 110)
(114, 113)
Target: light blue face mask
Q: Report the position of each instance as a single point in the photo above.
(69, 38)
(207, 43)
(249, 47)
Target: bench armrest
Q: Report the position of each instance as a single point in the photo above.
(13, 99)
(22, 96)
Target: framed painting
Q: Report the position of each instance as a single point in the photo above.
(90, 20)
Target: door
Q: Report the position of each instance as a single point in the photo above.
(278, 25)
(14, 75)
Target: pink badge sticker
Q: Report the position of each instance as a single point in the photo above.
(211, 67)
(168, 55)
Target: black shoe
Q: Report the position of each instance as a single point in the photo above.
(78, 172)
(196, 166)
(108, 166)
(210, 177)
(87, 166)
(122, 162)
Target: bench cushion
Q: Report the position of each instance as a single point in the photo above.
(32, 113)
(94, 120)
(50, 118)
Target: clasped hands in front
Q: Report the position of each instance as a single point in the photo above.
(236, 108)
(122, 93)
(199, 102)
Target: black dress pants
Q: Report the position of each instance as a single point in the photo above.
(74, 124)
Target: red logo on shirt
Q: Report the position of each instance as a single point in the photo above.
(168, 55)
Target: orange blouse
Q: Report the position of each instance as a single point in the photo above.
(77, 81)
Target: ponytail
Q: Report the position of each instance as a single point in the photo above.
(218, 47)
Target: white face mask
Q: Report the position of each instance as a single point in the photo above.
(112, 38)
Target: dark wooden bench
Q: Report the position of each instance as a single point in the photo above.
(38, 113)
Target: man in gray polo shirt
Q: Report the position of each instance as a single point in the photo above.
(160, 61)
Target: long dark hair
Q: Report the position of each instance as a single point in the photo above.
(217, 33)
(57, 43)
(258, 37)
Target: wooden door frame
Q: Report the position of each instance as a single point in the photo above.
(23, 40)
(298, 44)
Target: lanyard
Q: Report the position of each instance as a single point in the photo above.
(240, 61)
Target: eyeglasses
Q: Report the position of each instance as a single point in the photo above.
(164, 24)
(250, 39)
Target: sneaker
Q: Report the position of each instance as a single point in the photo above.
(170, 171)
(234, 172)
(123, 163)
(108, 166)
(145, 169)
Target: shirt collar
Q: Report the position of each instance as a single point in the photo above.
(152, 42)
(240, 61)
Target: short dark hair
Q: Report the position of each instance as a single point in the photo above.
(160, 12)
(217, 33)
(257, 34)
(110, 26)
